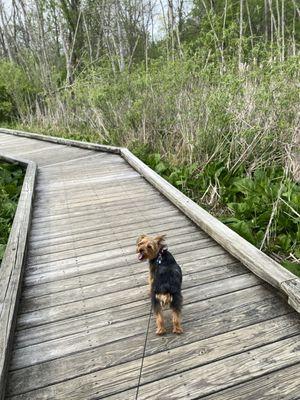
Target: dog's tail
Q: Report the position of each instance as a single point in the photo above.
(164, 299)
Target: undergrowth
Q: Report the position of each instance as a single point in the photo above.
(263, 206)
(11, 179)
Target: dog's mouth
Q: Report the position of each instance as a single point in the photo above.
(141, 255)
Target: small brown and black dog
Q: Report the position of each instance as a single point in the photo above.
(165, 278)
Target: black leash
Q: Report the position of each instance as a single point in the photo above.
(144, 351)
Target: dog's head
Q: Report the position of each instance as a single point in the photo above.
(148, 248)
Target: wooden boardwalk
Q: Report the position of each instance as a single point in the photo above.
(82, 322)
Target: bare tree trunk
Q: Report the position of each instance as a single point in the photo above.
(72, 36)
(250, 25)
(88, 38)
(6, 36)
(266, 20)
(296, 8)
(223, 34)
(294, 33)
(171, 26)
(278, 29)
(121, 47)
(2, 44)
(241, 34)
(282, 32)
(43, 57)
(166, 25)
(274, 30)
(180, 17)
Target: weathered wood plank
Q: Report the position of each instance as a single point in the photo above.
(105, 212)
(92, 159)
(77, 176)
(100, 165)
(24, 148)
(95, 202)
(213, 267)
(228, 372)
(110, 188)
(187, 357)
(56, 154)
(69, 165)
(106, 192)
(114, 249)
(147, 217)
(93, 188)
(92, 238)
(65, 296)
(67, 142)
(94, 197)
(282, 384)
(198, 326)
(161, 364)
(292, 289)
(36, 334)
(90, 232)
(5, 138)
(117, 176)
(92, 304)
(127, 245)
(11, 271)
(117, 263)
(197, 382)
(224, 317)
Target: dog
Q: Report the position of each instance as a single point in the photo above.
(165, 279)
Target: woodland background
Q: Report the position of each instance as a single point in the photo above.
(206, 92)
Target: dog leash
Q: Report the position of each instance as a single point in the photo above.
(144, 351)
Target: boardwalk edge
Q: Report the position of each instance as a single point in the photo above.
(12, 267)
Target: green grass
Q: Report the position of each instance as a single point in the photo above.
(11, 179)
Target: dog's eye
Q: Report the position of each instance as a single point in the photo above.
(149, 246)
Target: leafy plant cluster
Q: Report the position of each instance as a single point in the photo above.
(11, 179)
(15, 91)
(263, 206)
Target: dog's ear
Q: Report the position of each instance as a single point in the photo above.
(160, 240)
(140, 238)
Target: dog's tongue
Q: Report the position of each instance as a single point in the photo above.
(140, 256)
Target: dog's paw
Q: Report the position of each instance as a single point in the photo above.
(161, 331)
(177, 330)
